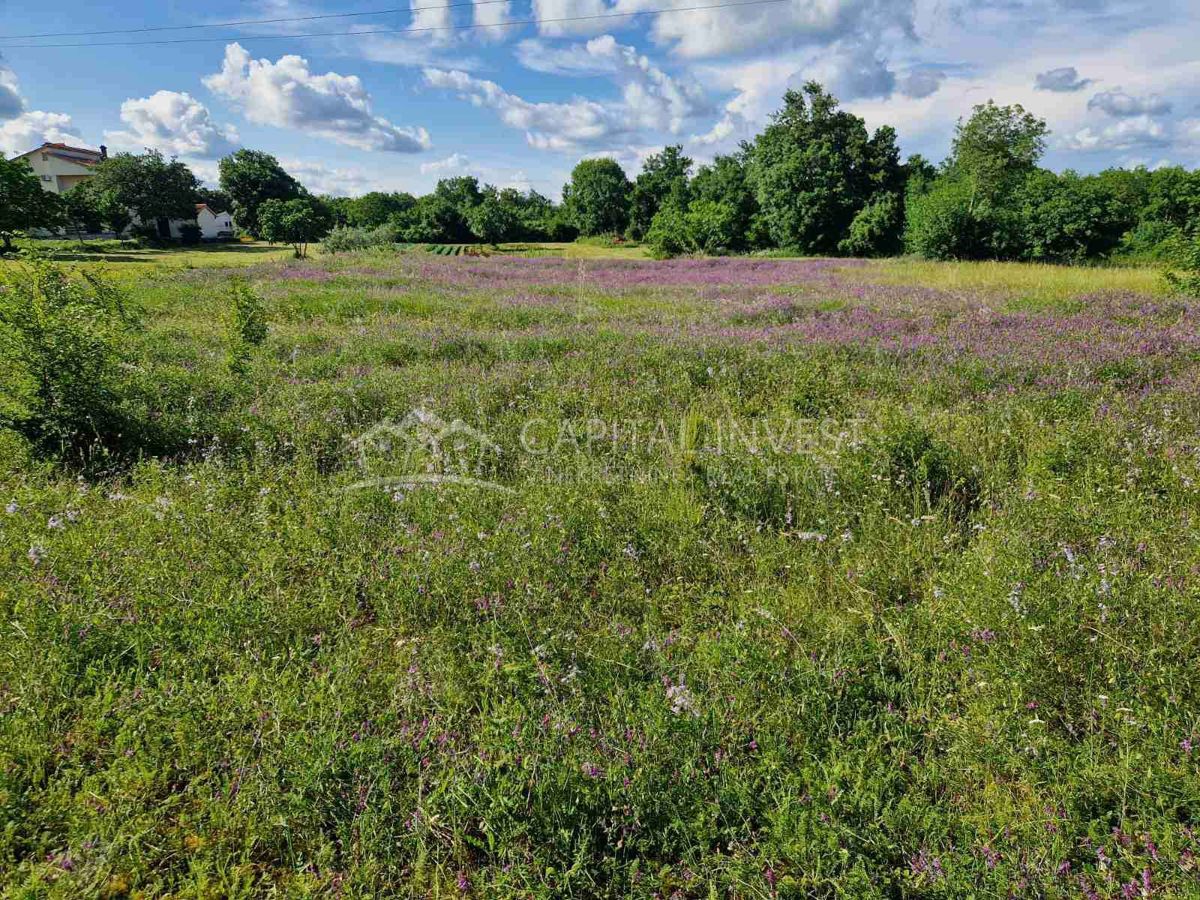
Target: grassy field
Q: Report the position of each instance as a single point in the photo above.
(602, 577)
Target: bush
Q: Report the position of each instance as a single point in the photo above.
(349, 238)
(189, 234)
(247, 327)
(877, 229)
(1187, 281)
(63, 345)
(947, 222)
(1068, 219)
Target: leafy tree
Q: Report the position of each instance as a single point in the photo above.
(597, 197)
(23, 203)
(1187, 281)
(996, 150)
(814, 167)
(82, 209)
(724, 182)
(298, 222)
(662, 173)
(492, 221)
(973, 210)
(151, 187)
(878, 229)
(377, 208)
(1068, 218)
(216, 199)
(251, 178)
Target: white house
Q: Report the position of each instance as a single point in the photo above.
(60, 167)
(214, 226)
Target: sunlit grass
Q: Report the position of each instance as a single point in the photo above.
(1036, 281)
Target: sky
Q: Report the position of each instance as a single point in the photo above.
(519, 104)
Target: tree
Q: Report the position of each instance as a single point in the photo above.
(996, 150)
(23, 203)
(214, 198)
(298, 222)
(878, 229)
(1068, 218)
(149, 186)
(597, 197)
(725, 182)
(377, 208)
(814, 167)
(661, 174)
(492, 221)
(81, 209)
(251, 178)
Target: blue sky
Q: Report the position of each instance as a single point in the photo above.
(1118, 82)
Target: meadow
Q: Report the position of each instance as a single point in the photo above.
(534, 575)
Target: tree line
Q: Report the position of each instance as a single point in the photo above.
(814, 182)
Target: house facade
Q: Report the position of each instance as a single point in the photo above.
(61, 167)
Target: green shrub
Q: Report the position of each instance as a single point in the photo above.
(1185, 282)
(63, 344)
(247, 327)
(877, 229)
(350, 238)
(189, 234)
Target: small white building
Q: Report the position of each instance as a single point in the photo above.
(60, 167)
(214, 226)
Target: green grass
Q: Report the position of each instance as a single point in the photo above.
(943, 647)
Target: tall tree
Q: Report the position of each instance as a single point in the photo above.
(150, 186)
(662, 173)
(814, 167)
(251, 178)
(997, 149)
(23, 203)
(597, 197)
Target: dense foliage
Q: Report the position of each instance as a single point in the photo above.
(250, 178)
(23, 203)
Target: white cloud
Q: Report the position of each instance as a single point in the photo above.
(322, 179)
(762, 27)
(1122, 105)
(491, 16)
(1124, 134)
(432, 21)
(287, 95)
(32, 129)
(176, 123)
(549, 14)
(651, 99)
(455, 162)
(1061, 80)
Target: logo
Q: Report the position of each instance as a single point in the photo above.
(423, 450)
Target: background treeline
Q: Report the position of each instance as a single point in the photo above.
(814, 182)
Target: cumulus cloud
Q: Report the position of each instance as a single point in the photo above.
(11, 102)
(32, 129)
(455, 162)
(719, 32)
(287, 95)
(1063, 80)
(322, 179)
(550, 14)
(850, 70)
(176, 123)
(651, 99)
(490, 17)
(920, 83)
(1125, 134)
(1122, 105)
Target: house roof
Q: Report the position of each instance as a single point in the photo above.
(79, 155)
